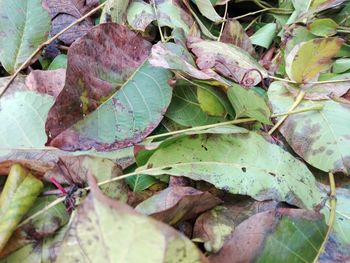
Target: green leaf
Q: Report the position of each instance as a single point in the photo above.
(341, 65)
(247, 103)
(279, 235)
(209, 103)
(265, 35)
(22, 116)
(59, 62)
(103, 226)
(206, 8)
(24, 25)
(18, 196)
(114, 11)
(323, 27)
(185, 109)
(240, 164)
(319, 137)
(140, 182)
(308, 59)
(299, 34)
(140, 14)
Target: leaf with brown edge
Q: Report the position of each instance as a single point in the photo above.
(234, 34)
(65, 12)
(216, 225)
(307, 59)
(177, 203)
(281, 235)
(90, 236)
(109, 84)
(229, 60)
(49, 82)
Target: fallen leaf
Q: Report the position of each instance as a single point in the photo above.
(178, 203)
(91, 237)
(308, 59)
(24, 26)
(65, 12)
(282, 235)
(215, 226)
(116, 90)
(229, 60)
(49, 82)
(234, 34)
(319, 137)
(243, 164)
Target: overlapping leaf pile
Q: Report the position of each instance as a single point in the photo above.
(175, 131)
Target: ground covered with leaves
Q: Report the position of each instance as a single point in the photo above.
(174, 131)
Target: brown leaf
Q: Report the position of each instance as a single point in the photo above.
(46, 81)
(234, 34)
(215, 226)
(248, 242)
(177, 203)
(65, 12)
(98, 64)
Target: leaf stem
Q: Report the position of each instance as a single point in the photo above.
(159, 28)
(297, 101)
(47, 42)
(331, 218)
(223, 23)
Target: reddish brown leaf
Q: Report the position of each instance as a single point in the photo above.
(98, 64)
(234, 34)
(177, 203)
(65, 12)
(46, 81)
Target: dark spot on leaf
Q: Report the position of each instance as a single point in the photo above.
(273, 174)
(244, 169)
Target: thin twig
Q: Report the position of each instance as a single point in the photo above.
(223, 23)
(47, 42)
(297, 101)
(331, 218)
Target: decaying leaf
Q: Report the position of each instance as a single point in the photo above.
(90, 236)
(65, 12)
(229, 163)
(177, 203)
(308, 59)
(229, 60)
(49, 82)
(319, 137)
(282, 235)
(115, 92)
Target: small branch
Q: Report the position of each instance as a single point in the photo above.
(295, 104)
(284, 80)
(159, 28)
(223, 23)
(331, 218)
(47, 42)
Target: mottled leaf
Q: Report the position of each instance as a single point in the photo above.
(229, 60)
(321, 137)
(49, 82)
(234, 34)
(247, 103)
(170, 13)
(308, 59)
(65, 12)
(177, 203)
(115, 92)
(114, 11)
(240, 164)
(215, 226)
(91, 237)
(24, 25)
(281, 235)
